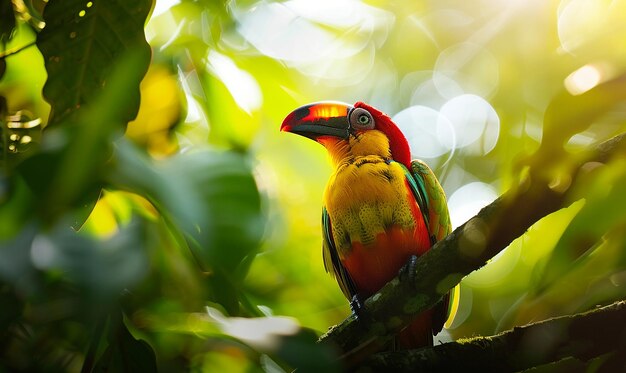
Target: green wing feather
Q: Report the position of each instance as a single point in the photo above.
(435, 210)
(438, 217)
(332, 263)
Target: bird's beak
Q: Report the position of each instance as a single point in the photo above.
(329, 118)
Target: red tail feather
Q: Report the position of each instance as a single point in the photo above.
(417, 334)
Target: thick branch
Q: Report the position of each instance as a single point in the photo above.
(582, 336)
(466, 249)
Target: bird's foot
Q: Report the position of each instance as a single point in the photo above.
(356, 306)
(408, 269)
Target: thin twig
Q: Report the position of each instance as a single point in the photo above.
(13, 51)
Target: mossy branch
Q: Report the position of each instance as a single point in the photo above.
(581, 336)
(466, 249)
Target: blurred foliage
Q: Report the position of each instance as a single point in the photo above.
(81, 43)
(7, 16)
(203, 222)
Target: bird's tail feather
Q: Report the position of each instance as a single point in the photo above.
(418, 334)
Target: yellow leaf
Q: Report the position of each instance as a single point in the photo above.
(159, 112)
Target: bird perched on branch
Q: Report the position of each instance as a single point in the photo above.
(380, 208)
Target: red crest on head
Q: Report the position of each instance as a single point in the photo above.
(399, 146)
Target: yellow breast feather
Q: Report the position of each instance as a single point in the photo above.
(365, 197)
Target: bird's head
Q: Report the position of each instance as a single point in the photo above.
(334, 123)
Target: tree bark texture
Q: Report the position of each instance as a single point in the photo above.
(582, 337)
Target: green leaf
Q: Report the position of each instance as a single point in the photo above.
(81, 43)
(227, 189)
(223, 111)
(568, 114)
(210, 198)
(7, 21)
(102, 268)
(603, 212)
(66, 172)
(125, 353)
(302, 351)
(16, 206)
(95, 60)
(15, 264)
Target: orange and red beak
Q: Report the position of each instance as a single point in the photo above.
(328, 118)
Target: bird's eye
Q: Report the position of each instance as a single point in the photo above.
(361, 119)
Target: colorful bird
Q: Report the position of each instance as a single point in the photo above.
(380, 208)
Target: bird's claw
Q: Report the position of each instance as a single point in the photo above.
(356, 306)
(408, 269)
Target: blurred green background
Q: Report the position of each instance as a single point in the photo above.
(208, 211)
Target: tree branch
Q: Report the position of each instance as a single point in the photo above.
(466, 249)
(582, 336)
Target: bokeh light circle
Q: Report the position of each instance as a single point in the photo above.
(472, 66)
(467, 200)
(428, 134)
(475, 123)
(433, 94)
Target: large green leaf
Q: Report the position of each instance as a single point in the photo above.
(95, 54)
(212, 201)
(125, 353)
(602, 213)
(66, 172)
(80, 44)
(101, 268)
(231, 201)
